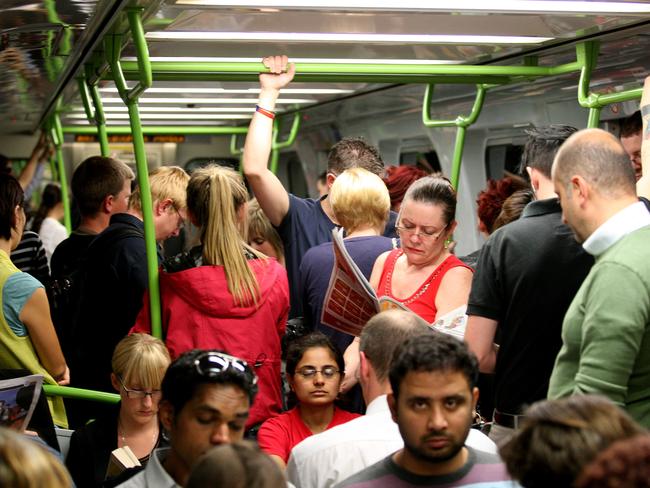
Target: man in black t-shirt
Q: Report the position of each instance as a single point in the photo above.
(527, 275)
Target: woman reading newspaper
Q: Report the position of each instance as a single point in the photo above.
(422, 275)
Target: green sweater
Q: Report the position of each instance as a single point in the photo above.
(606, 330)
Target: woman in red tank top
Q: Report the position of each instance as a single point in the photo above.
(423, 274)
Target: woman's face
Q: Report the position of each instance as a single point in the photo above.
(262, 245)
(423, 231)
(139, 404)
(317, 378)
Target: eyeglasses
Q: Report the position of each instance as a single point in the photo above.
(140, 394)
(423, 234)
(211, 364)
(309, 372)
(180, 217)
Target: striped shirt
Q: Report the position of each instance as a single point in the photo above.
(29, 256)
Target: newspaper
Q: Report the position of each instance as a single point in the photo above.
(350, 301)
(18, 397)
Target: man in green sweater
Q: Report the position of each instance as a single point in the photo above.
(606, 330)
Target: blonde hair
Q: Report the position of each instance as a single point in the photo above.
(214, 196)
(25, 464)
(141, 359)
(165, 182)
(259, 225)
(359, 198)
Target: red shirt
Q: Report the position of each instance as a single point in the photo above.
(279, 434)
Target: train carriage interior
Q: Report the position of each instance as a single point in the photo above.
(451, 85)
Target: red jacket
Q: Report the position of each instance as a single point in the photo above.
(198, 311)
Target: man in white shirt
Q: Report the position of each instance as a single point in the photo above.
(325, 459)
(606, 330)
(206, 396)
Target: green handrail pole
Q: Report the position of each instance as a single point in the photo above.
(293, 134)
(85, 97)
(234, 150)
(113, 49)
(458, 156)
(95, 116)
(81, 394)
(594, 117)
(58, 143)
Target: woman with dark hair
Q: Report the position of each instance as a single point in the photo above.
(46, 219)
(314, 370)
(27, 337)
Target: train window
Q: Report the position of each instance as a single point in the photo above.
(292, 175)
(427, 160)
(501, 159)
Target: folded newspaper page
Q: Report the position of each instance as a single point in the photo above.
(18, 397)
(350, 301)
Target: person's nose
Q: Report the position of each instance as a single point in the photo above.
(319, 379)
(147, 401)
(437, 419)
(220, 434)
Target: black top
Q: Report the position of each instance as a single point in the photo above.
(527, 275)
(69, 254)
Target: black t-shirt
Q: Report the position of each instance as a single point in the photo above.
(527, 275)
(69, 254)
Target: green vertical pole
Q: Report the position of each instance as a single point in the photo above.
(100, 120)
(458, 156)
(57, 131)
(594, 117)
(275, 152)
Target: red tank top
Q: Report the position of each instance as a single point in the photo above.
(423, 301)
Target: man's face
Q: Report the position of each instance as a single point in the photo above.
(632, 145)
(121, 200)
(169, 220)
(434, 412)
(215, 415)
(570, 211)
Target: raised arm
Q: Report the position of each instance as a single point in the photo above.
(38, 153)
(643, 185)
(271, 195)
(36, 317)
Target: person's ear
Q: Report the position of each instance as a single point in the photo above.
(364, 368)
(329, 180)
(166, 415)
(115, 382)
(475, 395)
(392, 405)
(580, 189)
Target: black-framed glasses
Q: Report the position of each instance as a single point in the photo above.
(309, 372)
(211, 364)
(139, 394)
(423, 234)
(180, 216)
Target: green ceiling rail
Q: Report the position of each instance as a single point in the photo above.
(587, 54)
(56, 133)
(94, 112)
(113, 51)
(187, 130)
(461, 123)
(276, 145)
(81, 394)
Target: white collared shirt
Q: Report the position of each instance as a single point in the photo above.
(324, 459)
(631, 218)
(154, 475)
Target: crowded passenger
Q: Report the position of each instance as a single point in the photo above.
(314, 368)
(643, 184)
(557, 438)
(630, 136)
(222, 293)
(46, 221)
(433, 382)
(325, 459)
(513, 207)
(27, 337)
(139, 364)
(302, 223)
(360, 203)
(236, 465)
(206, 396)
(606, 330)
(115, 272)
(398, 179)
(261, 234)
(29, 257)
(538, 267)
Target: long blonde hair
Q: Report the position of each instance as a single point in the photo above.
(215, 195)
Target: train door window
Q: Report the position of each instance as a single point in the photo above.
(501, 159)
(426, 160)
(292, 175)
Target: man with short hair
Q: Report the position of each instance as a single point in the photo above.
(527, 274)
(433, 380)
(206, 396)
(101, 187)
(301, 222)
(116, 276)
(322, 460)
(606, 330)
(630, 135)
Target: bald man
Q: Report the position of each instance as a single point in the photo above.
(606, 330)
